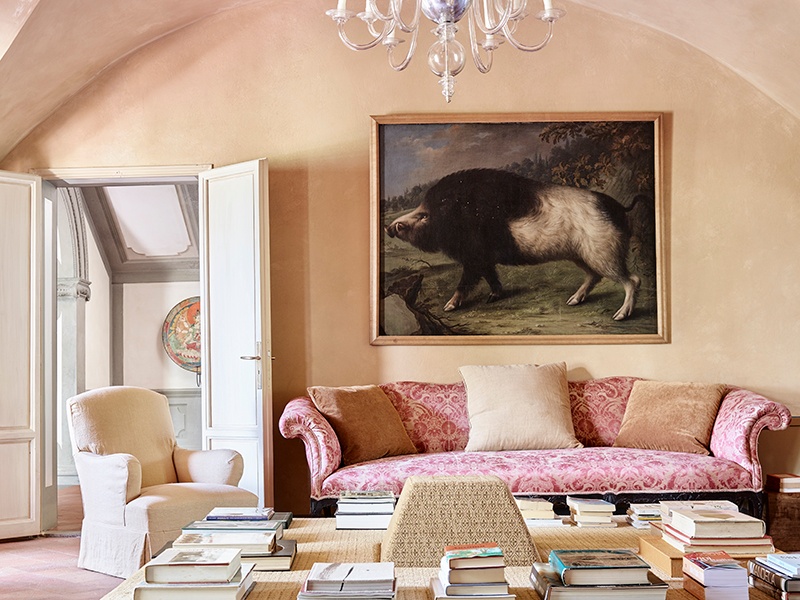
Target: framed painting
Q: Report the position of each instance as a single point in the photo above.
(528, 229)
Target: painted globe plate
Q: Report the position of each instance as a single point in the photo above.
(180, 334)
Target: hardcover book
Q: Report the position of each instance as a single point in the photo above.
(599, 567)
(279, 560)
(788, 563)
(480, 575)
(702, 592)
(224, 525)
(488, 588)
(667, 506)
(351, 577)
(662, 556)
(770, 590)
(473, 556)
(549, 586)
(236, 589)
(590, 505)
(715, 569)
(716, 523)
(775, 577)
(239, 513)
(249, 542)
(362, 521)
(204, 565)
(439, 592)
(782, 482)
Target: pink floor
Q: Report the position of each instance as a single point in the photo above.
(44, 568)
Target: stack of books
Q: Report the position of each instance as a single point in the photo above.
(785, 483)
(539, 513)
(738, 534)
(778, 575)
(476, 570)
(339, 581)
(642, 516)
(364, 509)
(714, 576)
(251, 520)
(577, 574)
(217, 573)
(591, 512)
(257, 547)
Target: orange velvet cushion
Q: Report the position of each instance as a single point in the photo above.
(365, 421)
(671, 416)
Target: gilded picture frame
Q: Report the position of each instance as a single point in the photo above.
(518, 229)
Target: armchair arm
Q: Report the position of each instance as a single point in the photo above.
(208, 466)
(108, 482)
(741, 418)
(301, 419)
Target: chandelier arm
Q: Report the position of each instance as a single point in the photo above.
(412, 46)
(371, 44)
(374, 9)
(523, 47)
(396, 6)
(515, 15)
(482, 25)
(476, 54)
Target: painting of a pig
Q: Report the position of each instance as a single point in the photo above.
(523, 231)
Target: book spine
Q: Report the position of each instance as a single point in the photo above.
(765, 587)
(763, 573)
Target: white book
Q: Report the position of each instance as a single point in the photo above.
(365, 508)
(207, 565)
(589, 505)
(236, 589)
(788, 563)
(439, 593)
(667, 506)
(351, 577)
(556, 522)
(356, 521)
(716, 523)
(239, 513)
(249, 542)
(274, 526)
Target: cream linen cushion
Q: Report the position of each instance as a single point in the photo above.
(670, 416)
(518, 407)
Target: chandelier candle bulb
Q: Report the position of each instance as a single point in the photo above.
(548, 4)
(342, 5)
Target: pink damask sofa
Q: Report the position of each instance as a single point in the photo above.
(436, 419)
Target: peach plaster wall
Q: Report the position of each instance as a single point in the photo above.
(275, 81)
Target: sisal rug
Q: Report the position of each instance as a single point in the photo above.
(319, 541)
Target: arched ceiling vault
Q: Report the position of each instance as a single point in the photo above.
(51, 49)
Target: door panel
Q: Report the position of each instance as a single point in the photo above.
(21, 254)
(235, 311)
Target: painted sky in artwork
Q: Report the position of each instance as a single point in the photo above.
(418, 153)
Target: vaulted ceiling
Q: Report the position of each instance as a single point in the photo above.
(51, 49)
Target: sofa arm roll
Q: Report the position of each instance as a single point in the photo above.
(301, 419)
(741, 418)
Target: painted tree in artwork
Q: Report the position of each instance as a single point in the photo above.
(612, 156)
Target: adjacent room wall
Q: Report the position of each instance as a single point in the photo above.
(276, 82)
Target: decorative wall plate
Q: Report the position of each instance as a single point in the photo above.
(181, 334)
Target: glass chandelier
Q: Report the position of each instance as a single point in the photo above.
(496, 20)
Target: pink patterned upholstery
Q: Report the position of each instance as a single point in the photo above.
(573, 471)
(436, 418)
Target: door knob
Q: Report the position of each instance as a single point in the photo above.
(250, 357)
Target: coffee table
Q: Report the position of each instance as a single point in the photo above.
(319, 541)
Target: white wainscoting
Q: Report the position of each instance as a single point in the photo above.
(184, 406)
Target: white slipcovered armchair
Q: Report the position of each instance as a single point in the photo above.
(138, 487)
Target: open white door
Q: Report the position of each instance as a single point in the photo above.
(27, 297)
(235, 319)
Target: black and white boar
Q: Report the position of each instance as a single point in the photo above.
(485, 217)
